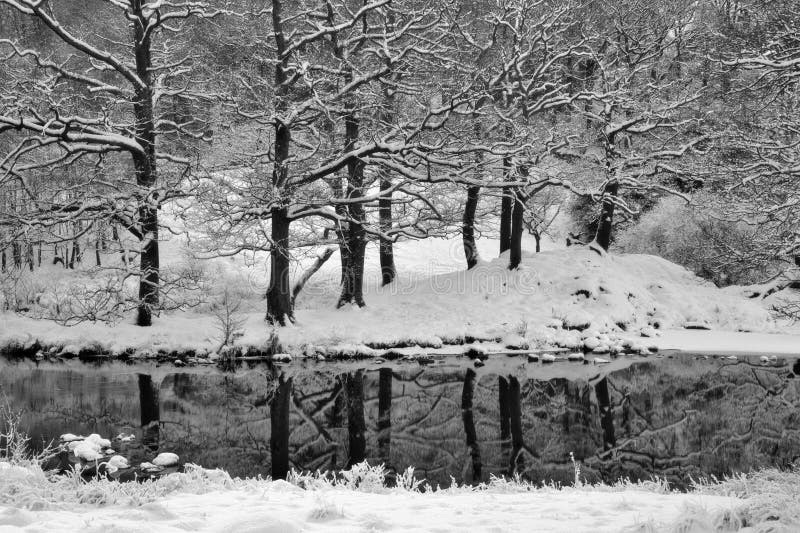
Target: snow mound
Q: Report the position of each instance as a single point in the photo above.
(550, 298)
(555, 298)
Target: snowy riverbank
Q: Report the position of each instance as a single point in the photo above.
(571, 298)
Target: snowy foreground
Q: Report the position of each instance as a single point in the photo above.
(210, 501)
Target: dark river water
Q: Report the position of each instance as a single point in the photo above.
(676, 418)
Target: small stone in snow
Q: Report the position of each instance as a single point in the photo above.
(533, 358)
(179, 362)
(69, 437)
(648, 332)
(600, 361)
(150, 467)
(764, 359)
(575, 357)
(282, 357)
(165, 459)
(696, 325)
(478, 363)
(732, 357)
(548, 358)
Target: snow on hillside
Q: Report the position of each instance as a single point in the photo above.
(560, 297)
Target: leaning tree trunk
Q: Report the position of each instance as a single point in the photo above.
(279, 294)
(468, 227)
(605, 226)
(515, 256)
(145, 167)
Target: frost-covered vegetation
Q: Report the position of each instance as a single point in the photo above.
(31, 498)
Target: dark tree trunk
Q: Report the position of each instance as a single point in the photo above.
(279, 293)
(515, 417)
(39, 255)
(3, 260)
(605, 226)
(97, 252)
(467, 393)
(385, 414)
(353, 282)
(386, 250)
(145, 167)
(515, 257)
(75, 256)
(279, 428)
(606, 414)
(150, 412)
(149, 266)
(506, 205)
(16, 254)
(356, 424)
(505, 418)
(341, 228)
(538, 237)
(353, 275)
(30, 258)
(468, 227)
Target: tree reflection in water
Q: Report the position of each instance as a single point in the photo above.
(675, 418)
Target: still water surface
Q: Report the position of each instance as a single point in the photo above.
(676, 418)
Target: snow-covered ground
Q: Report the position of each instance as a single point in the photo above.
(278, 507)
(729, 342)
(546, 302)
(210, 501)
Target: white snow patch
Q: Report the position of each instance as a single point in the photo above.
(277, 507)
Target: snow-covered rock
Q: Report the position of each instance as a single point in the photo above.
(98, 440)
(166, 459)
(115, 463)
(591, 343)
(88, 451)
